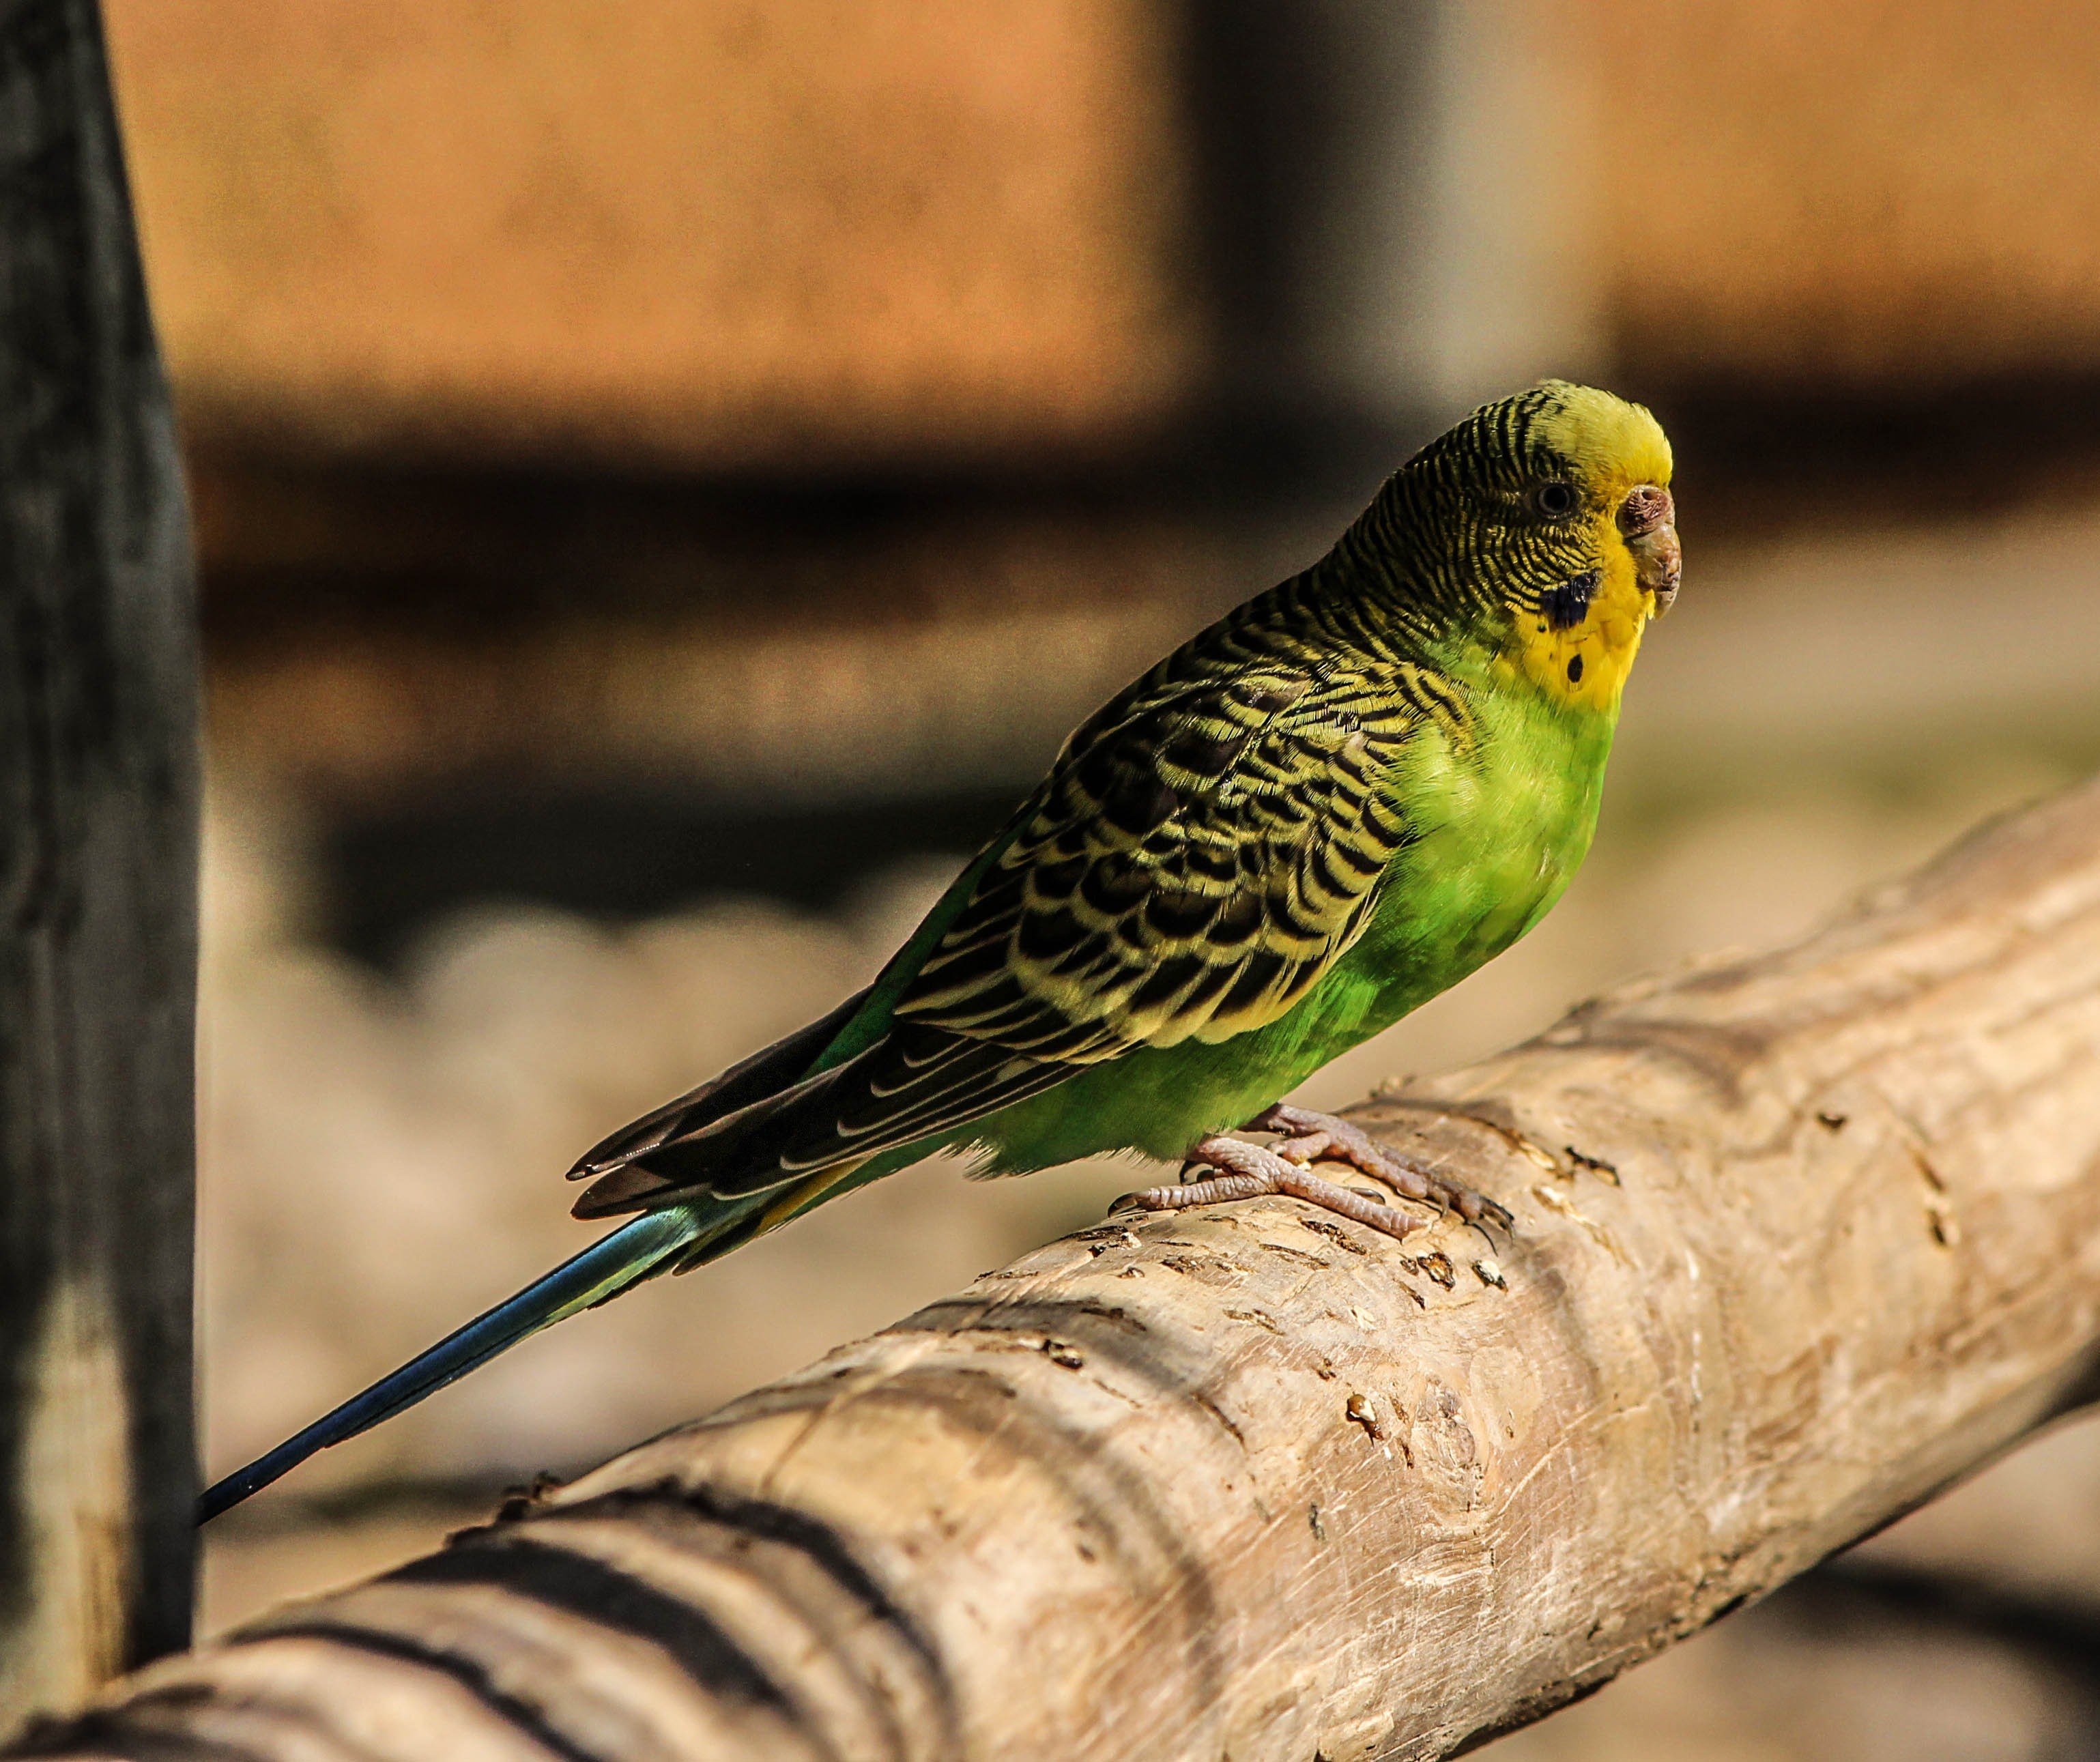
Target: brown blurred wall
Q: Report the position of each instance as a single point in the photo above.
(1871, 194)
(708, 230)
(485, 317)
(722, 232)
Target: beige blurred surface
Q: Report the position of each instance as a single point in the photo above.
(1763, 1688)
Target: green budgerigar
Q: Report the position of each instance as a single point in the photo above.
(1329, 806)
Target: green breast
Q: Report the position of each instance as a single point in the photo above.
(1504, 823)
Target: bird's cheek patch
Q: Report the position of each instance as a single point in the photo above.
(1568, 605)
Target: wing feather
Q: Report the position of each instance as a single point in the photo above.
(1202, 852)
(1192, 869)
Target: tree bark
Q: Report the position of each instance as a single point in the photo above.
(1799, 1239)
(98, 818)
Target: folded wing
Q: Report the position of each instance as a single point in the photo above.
(1200, 856)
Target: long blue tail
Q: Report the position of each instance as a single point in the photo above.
(605, 1268)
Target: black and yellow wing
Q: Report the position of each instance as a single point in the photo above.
(1191, 872)
(1199, 857)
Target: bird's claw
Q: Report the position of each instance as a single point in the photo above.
(1306, 1137)
(1248, 1171)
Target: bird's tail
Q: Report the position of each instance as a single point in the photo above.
(607, 1267)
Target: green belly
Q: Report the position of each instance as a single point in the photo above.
(1503, 829)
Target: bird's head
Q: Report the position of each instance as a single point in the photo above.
(1545, 521)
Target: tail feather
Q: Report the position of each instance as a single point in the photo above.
(907, 1088)
(609, 1267)
(780, 1066)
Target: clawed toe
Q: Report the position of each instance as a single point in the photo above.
(1246, 1171)
(1306, 1137)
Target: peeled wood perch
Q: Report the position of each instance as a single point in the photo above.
(1799, 1239)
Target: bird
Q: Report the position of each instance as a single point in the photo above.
(1311, 817)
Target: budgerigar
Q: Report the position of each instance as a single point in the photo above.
(1325, 809)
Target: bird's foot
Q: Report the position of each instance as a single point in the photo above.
(1248, 1171)
(1306, 1137)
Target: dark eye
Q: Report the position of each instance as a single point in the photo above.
(1554, 500)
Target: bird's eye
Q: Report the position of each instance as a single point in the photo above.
(1554, 500)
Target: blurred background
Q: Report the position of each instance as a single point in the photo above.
(667, 474)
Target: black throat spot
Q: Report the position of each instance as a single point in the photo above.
(1568, 605)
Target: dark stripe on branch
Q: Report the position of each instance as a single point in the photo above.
(515, 1711)
(580, 1585)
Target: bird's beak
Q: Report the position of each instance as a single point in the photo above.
(1647, 521)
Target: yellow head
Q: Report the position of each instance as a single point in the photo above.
(1544, 523)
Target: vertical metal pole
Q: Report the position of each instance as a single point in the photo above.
(1392, 197)
(97, 834)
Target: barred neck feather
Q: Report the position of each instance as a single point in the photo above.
(1451, 559)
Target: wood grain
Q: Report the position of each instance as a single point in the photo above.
(1800, 1238)
(98, 832)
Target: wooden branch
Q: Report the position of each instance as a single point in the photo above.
(97, 834)
(1799, 1238)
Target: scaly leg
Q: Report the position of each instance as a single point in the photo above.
(1307, 1136)
(1246, 1171)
